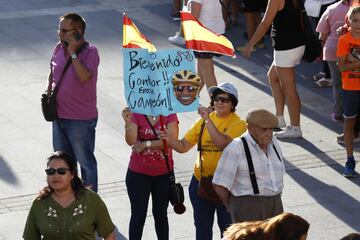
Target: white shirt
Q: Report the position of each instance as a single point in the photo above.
(313, 7)
(211, 15)
(232, 171)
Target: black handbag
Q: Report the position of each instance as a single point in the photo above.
(313, 45)
(176, 195)
(48, 101)
(48, 106)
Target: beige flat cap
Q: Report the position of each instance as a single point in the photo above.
(261, 118)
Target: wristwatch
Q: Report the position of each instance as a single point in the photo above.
(73, 56)
(148, 143)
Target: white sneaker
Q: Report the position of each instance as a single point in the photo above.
(289, 132)
(177, 39)
(281, 121)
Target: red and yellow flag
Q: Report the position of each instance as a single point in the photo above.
(133, 38)
(201, 39)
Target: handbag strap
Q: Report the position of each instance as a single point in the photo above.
(68, 63)
(199, 148)
(251, 167)
(172, 175)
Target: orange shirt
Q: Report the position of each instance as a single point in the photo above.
(349, 44)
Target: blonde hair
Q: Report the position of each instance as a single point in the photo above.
(285, 226)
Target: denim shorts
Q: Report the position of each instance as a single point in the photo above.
(351, 103)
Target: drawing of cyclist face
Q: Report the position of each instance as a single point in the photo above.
(186, 86)
(185, 93)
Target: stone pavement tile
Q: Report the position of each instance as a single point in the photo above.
(24, 183)
(12, 225)
(111, 169)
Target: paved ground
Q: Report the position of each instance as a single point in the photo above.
(314, 187)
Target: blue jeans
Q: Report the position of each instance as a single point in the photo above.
(77, 138)
(139, 187)
(204, 214)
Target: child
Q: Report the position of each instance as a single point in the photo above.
(349, 67)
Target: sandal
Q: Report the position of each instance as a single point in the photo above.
(323, 83)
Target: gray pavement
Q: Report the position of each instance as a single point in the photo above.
(314, 187)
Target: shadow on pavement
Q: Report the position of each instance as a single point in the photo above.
(311, 148)
(6, 173)
(335, 200)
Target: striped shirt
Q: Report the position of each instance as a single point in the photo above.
(232, 171)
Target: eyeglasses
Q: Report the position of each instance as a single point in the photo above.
(60, 171)
(62, 30)
(189, 88)
(222, 99)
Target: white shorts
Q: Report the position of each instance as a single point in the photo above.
(288, 58)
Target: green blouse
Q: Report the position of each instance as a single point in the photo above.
(49, 220)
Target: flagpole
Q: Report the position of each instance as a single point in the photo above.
(162, 127)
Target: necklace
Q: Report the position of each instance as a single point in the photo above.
(154, 118)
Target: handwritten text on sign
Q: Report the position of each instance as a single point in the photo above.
(147, 80)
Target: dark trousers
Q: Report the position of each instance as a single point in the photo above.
(204, 214)
(139, 187)
(254, 208)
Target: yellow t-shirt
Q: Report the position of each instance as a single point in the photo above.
(232, 126)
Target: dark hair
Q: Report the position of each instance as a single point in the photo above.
(286, 226)
(233, 99)
(76, 183)
(76, 19)
(351, 236)
(354, 11)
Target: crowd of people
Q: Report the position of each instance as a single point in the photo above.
(330, 20)
(240, 161)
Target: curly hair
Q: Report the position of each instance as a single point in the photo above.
(285, 226)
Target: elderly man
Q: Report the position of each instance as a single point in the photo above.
(249, 175)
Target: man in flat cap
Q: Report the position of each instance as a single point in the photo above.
(249, 174)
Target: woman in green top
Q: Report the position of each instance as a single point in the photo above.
(67, 210)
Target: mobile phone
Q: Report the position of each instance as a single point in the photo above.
(77, 36)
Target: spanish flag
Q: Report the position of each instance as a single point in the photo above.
(201, 39)
(133, 38)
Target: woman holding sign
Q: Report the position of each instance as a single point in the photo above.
(148, 171)
(212, 132)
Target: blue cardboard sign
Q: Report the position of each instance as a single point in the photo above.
(148, 80)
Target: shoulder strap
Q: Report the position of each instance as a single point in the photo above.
(251, 167)
(68, 63)
(277, 154)
(172, 175)
(199, 145)
(152, 128)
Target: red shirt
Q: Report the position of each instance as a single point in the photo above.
(150, 161)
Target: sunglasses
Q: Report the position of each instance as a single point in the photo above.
(189, 88)
(60, 171)
(222, 99)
